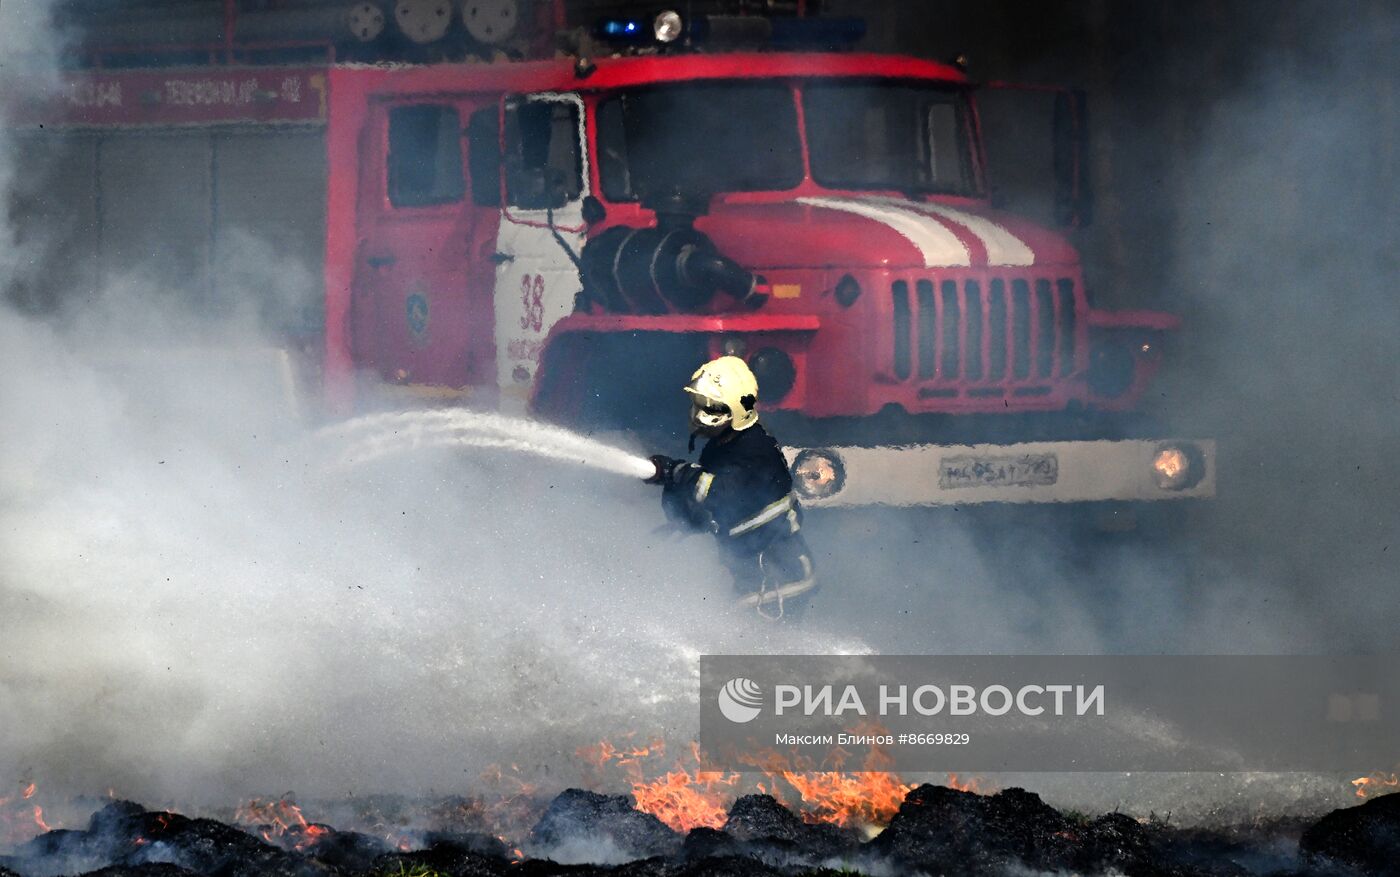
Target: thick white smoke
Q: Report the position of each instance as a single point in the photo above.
(29, 46)
(193, 606)
(193, 596)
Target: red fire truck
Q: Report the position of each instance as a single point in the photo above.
(573, 236)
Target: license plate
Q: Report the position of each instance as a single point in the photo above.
(1022, 470)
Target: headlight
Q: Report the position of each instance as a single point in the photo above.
(1178, 466)
(775, 373)
(817, 474)
(1170, 467)
(668, 26)
(1111, 368)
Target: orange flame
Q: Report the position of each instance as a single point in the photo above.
(688, 796)
(605, 752)
(685, 800)
(515, 854)
(849, 799)
(311, 835)
(603, 755)
(866, 799)
(278, 816)
(25, 819)
(514, 804)
(1375, 784)
(281, 822)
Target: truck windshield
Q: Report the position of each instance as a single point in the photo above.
(742, 136)
(699, 137)
(901, 136)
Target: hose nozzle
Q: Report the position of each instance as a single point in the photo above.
(663, 466)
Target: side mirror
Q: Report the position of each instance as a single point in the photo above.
(593, 210)
(1036, 142)
(1073, 195)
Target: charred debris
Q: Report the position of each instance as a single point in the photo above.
(937, 830)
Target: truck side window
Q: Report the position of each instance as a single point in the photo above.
(944, 132)
(425, 156)
(544, 155)
(484, 155)
(612, 152)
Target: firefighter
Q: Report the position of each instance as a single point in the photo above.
(741, 490)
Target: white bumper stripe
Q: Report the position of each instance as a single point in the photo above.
(1033, 472)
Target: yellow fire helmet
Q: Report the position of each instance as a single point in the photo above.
(725, 393)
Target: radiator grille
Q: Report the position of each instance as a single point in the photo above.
(1004, 330)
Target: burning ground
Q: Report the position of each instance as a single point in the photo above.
(679, 819)
(934, 830)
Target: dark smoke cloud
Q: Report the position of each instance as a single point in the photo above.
(1245, 156)
(1287, 226)
(1245, 161)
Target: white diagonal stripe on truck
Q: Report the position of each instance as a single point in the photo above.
(939, 247)
(1003, 247)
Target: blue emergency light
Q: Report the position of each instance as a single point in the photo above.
(734, 30)
(624, 30)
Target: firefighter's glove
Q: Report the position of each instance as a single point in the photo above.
(668, 470)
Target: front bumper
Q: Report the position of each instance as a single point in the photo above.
(1031, 472)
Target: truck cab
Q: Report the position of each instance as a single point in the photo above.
(572, 237)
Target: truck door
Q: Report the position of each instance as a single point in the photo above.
(422, 310)
(1035, 139)
(544, 180)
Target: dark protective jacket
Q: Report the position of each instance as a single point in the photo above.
(741, 491)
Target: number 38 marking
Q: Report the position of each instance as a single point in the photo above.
(532, 297)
